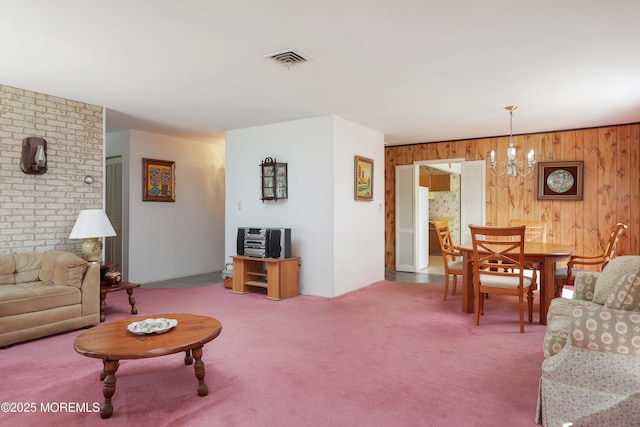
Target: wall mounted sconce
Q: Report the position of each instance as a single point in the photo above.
(34, 155)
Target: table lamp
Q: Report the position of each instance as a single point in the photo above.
(91, 225)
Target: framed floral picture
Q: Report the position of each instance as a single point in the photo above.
(363, 179)
(560, 180)
(158, 180)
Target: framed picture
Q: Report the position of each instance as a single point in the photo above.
(560, 180)
(363, 179)
(158, 180)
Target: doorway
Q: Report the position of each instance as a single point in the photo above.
(443, 180)
(472, 196)
(473, 192)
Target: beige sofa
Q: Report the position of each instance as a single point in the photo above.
(591, 374)
(44, 293)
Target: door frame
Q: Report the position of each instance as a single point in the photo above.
(479, 206)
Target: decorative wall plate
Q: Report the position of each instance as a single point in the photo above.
(560, 181)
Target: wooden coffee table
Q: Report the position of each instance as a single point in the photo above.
(112, 342)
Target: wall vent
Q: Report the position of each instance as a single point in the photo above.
(287, 57)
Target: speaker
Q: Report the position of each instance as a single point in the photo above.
(274, 247)
(285, 242)
(240, 241)
(279, 243)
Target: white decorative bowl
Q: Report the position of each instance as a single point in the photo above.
(152, 326)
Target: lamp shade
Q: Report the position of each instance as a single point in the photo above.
(92, 223)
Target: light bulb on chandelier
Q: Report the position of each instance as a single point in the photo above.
(511, 166)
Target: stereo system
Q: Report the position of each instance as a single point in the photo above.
(264, 242)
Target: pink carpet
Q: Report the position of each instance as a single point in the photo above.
(392, 354)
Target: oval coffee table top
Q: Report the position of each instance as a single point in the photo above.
(112, 341)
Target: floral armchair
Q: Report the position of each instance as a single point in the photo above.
(591, 374)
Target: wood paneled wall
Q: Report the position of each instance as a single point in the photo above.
(611, 158)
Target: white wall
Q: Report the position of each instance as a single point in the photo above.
(169, 240)
(319, 152)
(305, 145)
(358, 226)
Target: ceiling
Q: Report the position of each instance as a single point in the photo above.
(416, 71)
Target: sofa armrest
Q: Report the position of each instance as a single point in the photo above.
(559, 323)
(585, 285)
(91, 290)
(605, 330)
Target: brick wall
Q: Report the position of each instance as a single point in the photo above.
(37, 212)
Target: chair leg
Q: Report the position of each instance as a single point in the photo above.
(560, 283)
(557, 288)
(446, 287)
(521, 303)
(455, 283)
(530, 305)
(476, 316)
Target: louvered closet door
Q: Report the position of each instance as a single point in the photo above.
(473, 195)
(113, 209)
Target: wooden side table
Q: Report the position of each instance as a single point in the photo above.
(121, 286)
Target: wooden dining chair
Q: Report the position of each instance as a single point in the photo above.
(566, 276)
(535, 231)
(499, 267)
(451, 258)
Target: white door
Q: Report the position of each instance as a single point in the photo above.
(412, 220)
(422, 216)
(472, 197)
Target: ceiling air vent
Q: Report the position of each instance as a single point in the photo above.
(287, 57)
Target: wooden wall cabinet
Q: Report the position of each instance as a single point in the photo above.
(274, 180)
(278, 275)
(436, 182)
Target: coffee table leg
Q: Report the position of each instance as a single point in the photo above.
(199, 369)
(188, 360)
(110, 368)
(132, 301)
(103, 373)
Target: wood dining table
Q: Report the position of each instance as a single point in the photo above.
(545, 255)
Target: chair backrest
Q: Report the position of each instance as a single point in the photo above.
(444, 238)
(610, 249)
(498, 251)
(535, 231)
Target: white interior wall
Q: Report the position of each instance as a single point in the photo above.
(341, 241)
(305, 145)
(358, 225)
(182, 238)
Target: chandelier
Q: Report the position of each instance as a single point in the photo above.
(512, 167)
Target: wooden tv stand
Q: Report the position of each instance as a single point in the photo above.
(279, 276)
